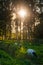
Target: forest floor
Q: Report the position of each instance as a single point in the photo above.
(14, 53)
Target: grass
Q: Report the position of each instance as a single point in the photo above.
(5, 59)
(11, 54)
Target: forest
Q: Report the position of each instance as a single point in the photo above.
(21, 28)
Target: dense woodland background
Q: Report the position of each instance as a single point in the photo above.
(32, 26)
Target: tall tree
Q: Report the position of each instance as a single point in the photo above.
(38, 30)
(5, 17)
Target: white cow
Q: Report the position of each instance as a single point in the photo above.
(31, 53)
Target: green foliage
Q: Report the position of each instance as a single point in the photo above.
(12, 54)
(5, 59)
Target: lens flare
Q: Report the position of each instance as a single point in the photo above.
(22, 13)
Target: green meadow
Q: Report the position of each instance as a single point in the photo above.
(14, 53)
